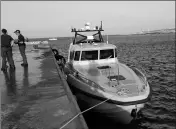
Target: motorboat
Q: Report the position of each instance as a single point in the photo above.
(52, 38)
(95, 74)
(41, 45)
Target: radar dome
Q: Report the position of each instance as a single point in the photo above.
(87, 24)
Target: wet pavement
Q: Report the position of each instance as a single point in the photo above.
(34, 97)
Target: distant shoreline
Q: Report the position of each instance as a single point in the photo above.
(145, 34)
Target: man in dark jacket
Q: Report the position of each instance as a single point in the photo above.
(60, 59)
(6, 50)
(22, 47)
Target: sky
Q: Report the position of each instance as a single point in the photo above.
(55, 18)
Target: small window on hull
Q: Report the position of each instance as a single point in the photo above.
(105, 54)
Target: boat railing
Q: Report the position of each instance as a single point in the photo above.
(138, 67)
(141, 75)
(74, 30)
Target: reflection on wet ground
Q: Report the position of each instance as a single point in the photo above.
(33, 97)
(8, 94)
(17, 82)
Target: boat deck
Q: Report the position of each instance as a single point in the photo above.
(37, 97)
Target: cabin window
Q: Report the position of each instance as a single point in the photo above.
(115, 52)
(108, 53)
(89, 55)
(77, 55)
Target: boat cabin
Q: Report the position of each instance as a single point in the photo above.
(90, 47)
(89, 51)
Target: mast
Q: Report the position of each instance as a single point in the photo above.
(101, 26)
(87, 29)
(107, 39)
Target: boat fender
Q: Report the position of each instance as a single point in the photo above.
(134, 113)
(139, 115)
(75, 74)
(66, 70)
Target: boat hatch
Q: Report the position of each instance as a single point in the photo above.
(104, 67)
(116, 77)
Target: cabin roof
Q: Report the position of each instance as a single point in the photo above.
(95, 46)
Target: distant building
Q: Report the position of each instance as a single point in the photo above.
(162, 31)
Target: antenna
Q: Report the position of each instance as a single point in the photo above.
(107, 39)
(71, 38)
(101, 26)
(118, 74)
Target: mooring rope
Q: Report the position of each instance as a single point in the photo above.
(85, 111)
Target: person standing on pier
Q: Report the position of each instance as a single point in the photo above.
(22, 47)
(6, 50)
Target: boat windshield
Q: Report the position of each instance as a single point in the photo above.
(108, 53)
(89, 55)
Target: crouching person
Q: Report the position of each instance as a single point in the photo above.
(60, 60)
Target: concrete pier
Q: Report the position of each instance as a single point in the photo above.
(37, 97)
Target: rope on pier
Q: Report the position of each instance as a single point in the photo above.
(85, 111)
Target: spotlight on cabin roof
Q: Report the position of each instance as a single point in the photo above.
(90, 37)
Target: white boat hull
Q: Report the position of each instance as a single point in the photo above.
(117, 113)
